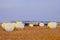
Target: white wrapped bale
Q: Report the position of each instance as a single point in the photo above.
(52, 24)
(19, 25)
(41, 24)
(3, 25)
(31, 25)
(8, 26)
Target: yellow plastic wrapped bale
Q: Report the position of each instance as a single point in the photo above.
(19, 25)
(52, 25)
(8, 26)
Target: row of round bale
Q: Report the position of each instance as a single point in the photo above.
(10, 26)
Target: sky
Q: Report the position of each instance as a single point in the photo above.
(29, 10)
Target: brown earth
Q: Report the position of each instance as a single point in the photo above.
(35, 33)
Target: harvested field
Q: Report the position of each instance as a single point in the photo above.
(34, 33)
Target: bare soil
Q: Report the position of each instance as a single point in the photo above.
(34, 33)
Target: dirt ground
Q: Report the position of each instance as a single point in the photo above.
(35, 33)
